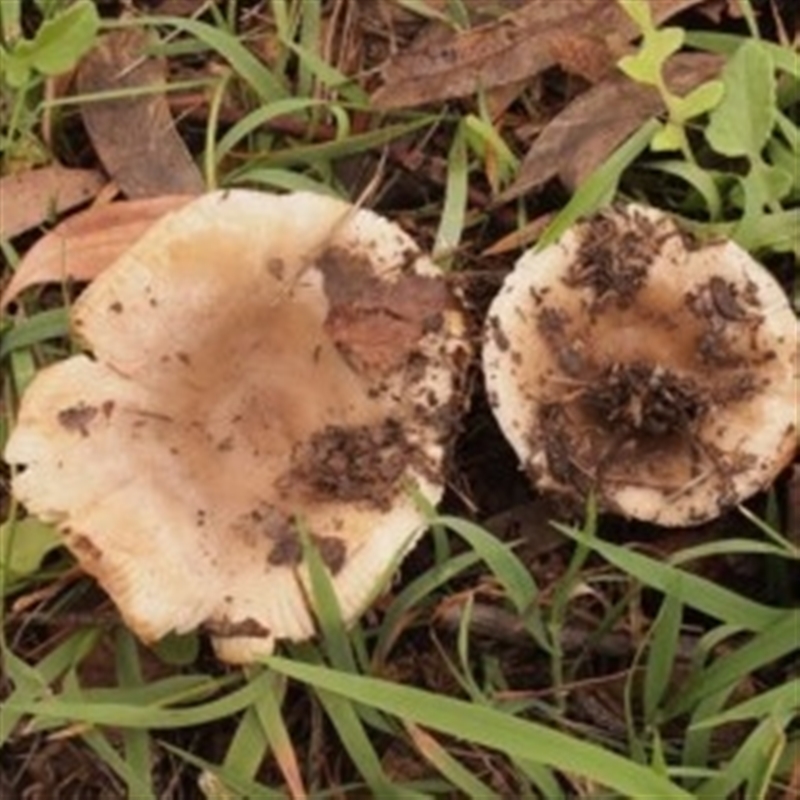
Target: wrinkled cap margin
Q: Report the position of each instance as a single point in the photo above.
(253, 360)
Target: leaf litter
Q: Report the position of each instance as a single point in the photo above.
(504, 59)
(134, 136)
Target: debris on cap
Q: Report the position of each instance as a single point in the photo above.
(255, 365)
(660, 374)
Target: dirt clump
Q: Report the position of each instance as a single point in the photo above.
(614, 257)
(359, 463)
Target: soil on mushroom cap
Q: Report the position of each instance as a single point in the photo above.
(358, 463)
(642, 398)
(635, 373)
(615, 255)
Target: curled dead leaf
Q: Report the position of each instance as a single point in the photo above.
(81, 247)
(581, 137)
(518, 46)
(134, 136)
(29, 199)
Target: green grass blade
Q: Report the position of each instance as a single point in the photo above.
(451, 225)
(329, 76)
(352, 145)
(34, 330)
(327, 612)
(751, 760)
(137, 716)
(728, 547)
(491, 728)
(599, 188)
(284, 180)
(507, 568)
(137, 779)
(771, 644)
(661, 659)
(436, 755)
(33, 682)
(692, 590)
(243, 787)
(354, 739)
(409, 601)
(136, 743)
(260, 78)
(785, 697)
(248, 746)
(261, 116)
(268, 709)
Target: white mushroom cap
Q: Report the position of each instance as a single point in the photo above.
(255, 359)
(661, 375)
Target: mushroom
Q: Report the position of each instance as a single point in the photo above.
(258, 365)
(630, 361)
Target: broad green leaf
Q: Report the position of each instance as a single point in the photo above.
(776, 232)
(743, 121)
(669, 137)
(178, 649)
(784, 58)
(645, 66)
(698, 101)
(14, 70)
(10, 20)
(26, 542)
(61, 41)
(703, 181)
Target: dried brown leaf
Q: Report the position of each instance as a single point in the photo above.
(582, 136)
(83, 246)
(520, 45)
(135, 137)
(31, 198)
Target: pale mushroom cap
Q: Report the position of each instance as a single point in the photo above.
(256, 359)
(627, 361)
